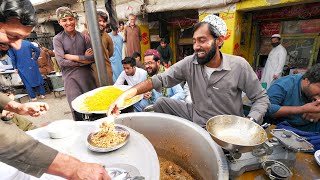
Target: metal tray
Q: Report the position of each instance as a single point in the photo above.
(94, 148)
(78, 103)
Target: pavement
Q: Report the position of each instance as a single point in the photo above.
(58, 109)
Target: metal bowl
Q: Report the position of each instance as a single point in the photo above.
(95, 148)
(236, 134)
(178, 140)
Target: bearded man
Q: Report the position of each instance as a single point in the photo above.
(216, 80)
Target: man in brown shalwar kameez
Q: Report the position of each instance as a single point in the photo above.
(132, 36)
(107, 46)
(74, 56)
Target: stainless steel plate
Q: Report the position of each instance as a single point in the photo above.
(93, 147)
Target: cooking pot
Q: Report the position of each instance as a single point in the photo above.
(236, 134)
(180, 141)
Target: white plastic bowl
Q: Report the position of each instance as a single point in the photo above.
(61, 128)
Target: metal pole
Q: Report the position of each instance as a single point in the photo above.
(92, 20)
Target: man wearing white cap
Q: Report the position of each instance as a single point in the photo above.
(275, 62)
(216, 80)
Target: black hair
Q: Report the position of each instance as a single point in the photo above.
(313, 74)
(129, 60)
(103, 15)
(213, 31)
(136, 54)
(156, 58)
(21, 9)
(7, 89)
(121, 23)
(163, 40)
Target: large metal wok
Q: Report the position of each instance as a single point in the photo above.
(236, 134)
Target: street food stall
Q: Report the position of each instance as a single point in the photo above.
(162, 146)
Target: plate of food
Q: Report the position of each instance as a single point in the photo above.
(109, 137)
(98, 100)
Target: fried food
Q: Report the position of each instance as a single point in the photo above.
(108, 137)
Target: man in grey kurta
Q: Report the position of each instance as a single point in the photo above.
(216, 80)
(77, 75)
(215, 95)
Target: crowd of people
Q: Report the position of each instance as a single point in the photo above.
(198, 87)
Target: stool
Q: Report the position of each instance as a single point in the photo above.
(58, 90)
(57, 84)
(18, 97)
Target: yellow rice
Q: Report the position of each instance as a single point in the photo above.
(102, 99)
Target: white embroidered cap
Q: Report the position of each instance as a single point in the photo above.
(276, 36)
(217, 23)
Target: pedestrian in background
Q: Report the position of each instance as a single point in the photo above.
(117, 54)
(132, 36)
(26, 63)
(74, 56)
(275, 62)
(165, 53)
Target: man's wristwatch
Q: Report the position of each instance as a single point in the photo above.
(252, 119)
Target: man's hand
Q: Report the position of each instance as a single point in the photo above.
(90, 171)
(147, 95)
(33, 109)
(77, 59)
(275, 76)
(114, 108)
(71, 168)
(313, 117)
(313, 107)
(89, 52)
(7, 114)
(169, 63)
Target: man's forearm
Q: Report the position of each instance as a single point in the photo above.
(64, 166)
(140, 88)
(288, 110)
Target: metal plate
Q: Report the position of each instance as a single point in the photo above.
(78, 103)
(92, 146)
(292, 141)
(117, 169)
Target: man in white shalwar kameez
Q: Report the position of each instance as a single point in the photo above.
(275, 62)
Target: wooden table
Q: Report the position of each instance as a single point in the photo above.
(305, 167)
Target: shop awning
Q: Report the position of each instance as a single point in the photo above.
(51, 4)
(138, 7)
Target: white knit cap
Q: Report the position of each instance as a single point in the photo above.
(217, 23)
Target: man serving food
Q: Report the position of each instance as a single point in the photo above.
(216, 80)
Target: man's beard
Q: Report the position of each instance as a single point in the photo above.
(306, 99)
(154, 71)
(212, 53)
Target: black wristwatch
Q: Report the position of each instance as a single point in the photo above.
(252, 119)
